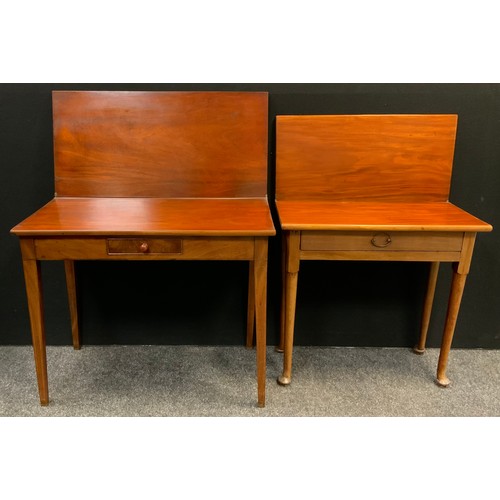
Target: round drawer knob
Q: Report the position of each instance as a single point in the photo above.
(381, 240)
(144, 247)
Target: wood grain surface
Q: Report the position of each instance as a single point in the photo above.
(364, 157)
(335, 215)
(160, 144)
(148, 166)
(150, 216)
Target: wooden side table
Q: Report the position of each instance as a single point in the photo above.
(371, 187)
(153, 176)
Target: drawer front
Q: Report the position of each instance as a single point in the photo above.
(146, 246)
(381, 241)
(166, 248)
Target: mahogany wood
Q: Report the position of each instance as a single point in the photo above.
(250, 307)
(144, 245)
(371, 187)
(376, 216)
(365, 157)
(69, 267)
(377, 241)
(160, 144)
(150, 216)
(284, 260)
(153, 176)
(405, 256)
(460, 272)
(193, 248)
(467, 249)
(457, 290)
(292, 275)
(426, 313)
(32, 276)
(260, 295)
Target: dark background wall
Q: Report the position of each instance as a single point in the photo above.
(339, 303)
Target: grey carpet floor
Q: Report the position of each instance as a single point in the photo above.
(187, 381)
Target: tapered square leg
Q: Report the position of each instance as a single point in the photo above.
(69, 267)
(251, 307)
(260, 280)
(32, 276)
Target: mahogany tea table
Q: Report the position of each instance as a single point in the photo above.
(153, 176)
(371, 188)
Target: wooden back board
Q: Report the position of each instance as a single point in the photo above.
(404, 158)
(160, 144)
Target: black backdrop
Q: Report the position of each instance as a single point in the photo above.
(339, 303)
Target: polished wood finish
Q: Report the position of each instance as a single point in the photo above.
(69, 267)
(184, 144)
(144, 245)
(372, 187)
(426, 313)
(373, 216)
(284, 259)
(250, 307)
(260, 295)
(153, 176)
(193, 248)
(32, 276)
(365, 157)
(292, 254)
(150, 216)
(457, 290)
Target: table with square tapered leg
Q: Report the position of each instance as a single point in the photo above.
(371, 188)
(153, 176)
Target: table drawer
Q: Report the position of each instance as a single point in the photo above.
(143, 245)
(381, 241)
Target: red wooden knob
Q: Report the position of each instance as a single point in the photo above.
(144, 247)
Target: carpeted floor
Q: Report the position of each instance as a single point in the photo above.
(220, 381)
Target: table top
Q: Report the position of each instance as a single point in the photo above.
(160, 144)
(157, 163)
(405, 216)
(365, 157)
(368, 172)
(150, 216)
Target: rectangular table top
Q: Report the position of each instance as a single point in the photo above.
(368, 215)
(160, 144)
(150, 216)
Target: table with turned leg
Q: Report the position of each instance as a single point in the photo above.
(371, 188)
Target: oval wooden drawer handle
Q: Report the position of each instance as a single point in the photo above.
(144, 247)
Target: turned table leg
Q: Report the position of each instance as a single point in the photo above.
(457, 289)
(426, 314)
(32, 276)
(260, 287)
(460, 271)
(281, 346)
(69, 266)
(289, 301)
